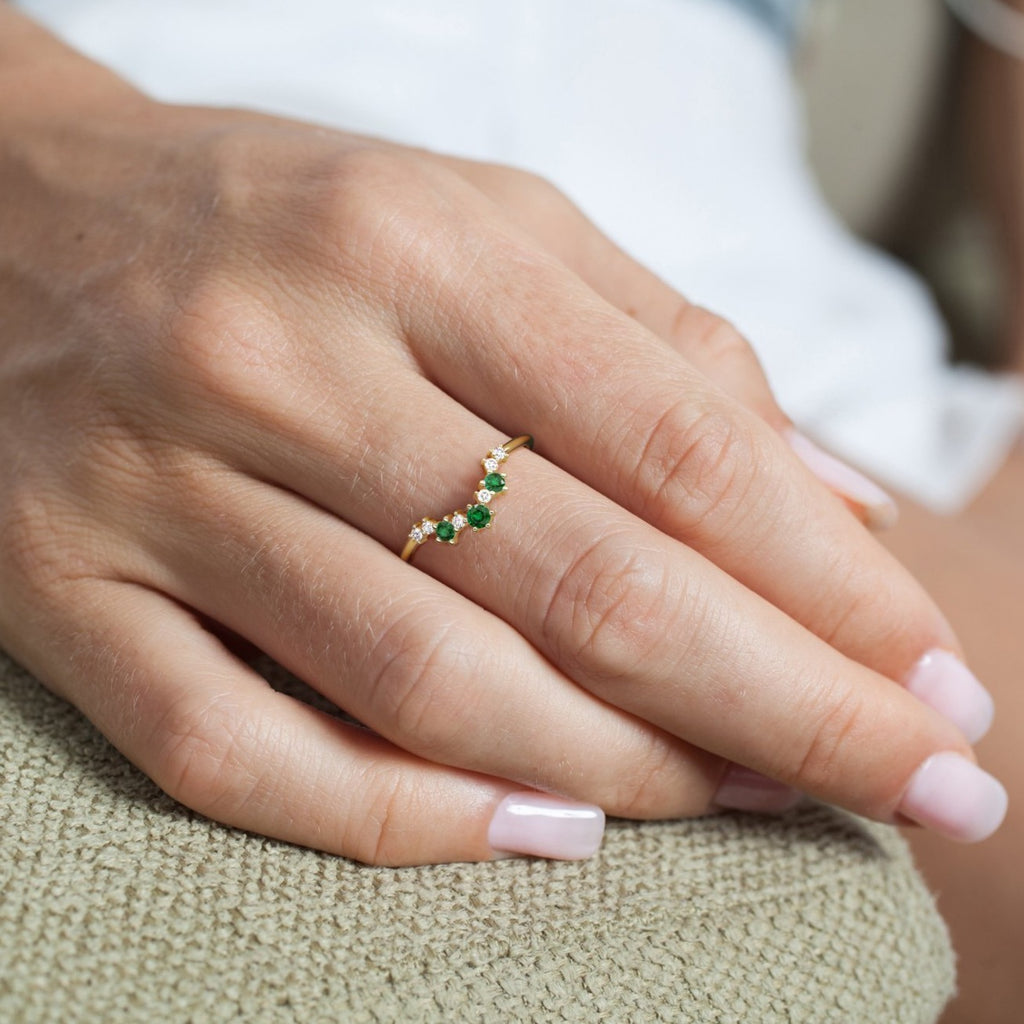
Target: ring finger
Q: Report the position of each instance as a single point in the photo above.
(644, 622)
(409, 656)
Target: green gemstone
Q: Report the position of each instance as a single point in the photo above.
(494, 482)
(445, 531)
(478, 515)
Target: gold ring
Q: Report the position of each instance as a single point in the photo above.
(476, 516)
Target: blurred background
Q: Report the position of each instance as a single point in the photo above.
(890, 136)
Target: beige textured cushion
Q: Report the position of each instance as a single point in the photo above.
(116, 904)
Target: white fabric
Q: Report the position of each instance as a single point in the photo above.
(672, 122)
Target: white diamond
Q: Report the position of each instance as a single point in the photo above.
(491, 465)
(498, 453)
(484, 496)
(417, 534)
(459, 521)
(429, 526)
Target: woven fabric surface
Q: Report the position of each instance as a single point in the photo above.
(118, 905)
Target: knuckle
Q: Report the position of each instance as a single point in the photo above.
(717, 339)
(524, 189)
(199, 756)
(417, 689)
(40, 540)
(607, 611)
(540, 195)
(386, 828)
(724, 355)
(698, 464)
(28, 539)
(867, 611)
(364, 181)
(648, 789)
(390, 215)
(834, 732)
(222, 347)
(855, 609)
(535, 183)
(379, 833)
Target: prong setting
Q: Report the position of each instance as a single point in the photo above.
(477, 516)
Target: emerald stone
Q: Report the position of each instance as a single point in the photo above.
(478, 515)
(494, 482)
(445, 531)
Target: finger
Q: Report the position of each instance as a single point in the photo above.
(708, 341)
(514, 336)
(725, 357)
(712, 344)
(716, 348)
(617, 409)
(653, 628)
(216, 737)
(409, 657)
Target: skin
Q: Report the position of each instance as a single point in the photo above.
(242, 355)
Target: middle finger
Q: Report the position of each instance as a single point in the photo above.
(633, 616)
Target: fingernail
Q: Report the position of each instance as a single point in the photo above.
(743, 789)
(955, 798)
(545, 826)
(942, 681)
(880, 509)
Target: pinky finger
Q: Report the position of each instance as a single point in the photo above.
(215, 736)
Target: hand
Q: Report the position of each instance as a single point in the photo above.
(242, 355)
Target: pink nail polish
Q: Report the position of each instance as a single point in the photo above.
(879, 508)
(546, 826)
(942, 681)
(743, 789)
(955, 798)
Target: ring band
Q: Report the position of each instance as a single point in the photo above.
(478, 515)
